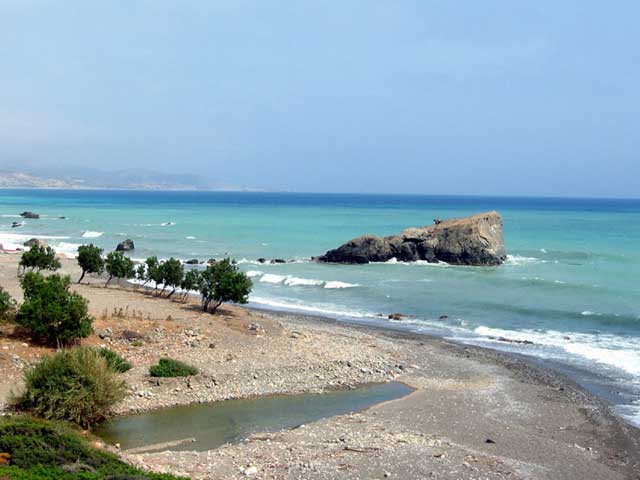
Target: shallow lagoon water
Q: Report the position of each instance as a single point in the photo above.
(214, 424)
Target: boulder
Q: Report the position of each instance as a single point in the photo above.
(125, 246)
(193, 261)
(16, 224)
(30, 215)
(35, 241)
(475, 240)
(395, 316)
(278, 260)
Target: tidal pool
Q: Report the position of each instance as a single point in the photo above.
(214, 424)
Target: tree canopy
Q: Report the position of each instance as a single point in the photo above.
(90, 260)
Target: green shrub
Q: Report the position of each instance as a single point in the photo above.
(168, 367)
(90, 260)
(74, 385)
(223, 282)
(115, 361)
(7, 306)
(53, 313)
(43, 450)
(119, 266)
(39, 258)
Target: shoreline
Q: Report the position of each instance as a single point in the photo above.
(541, 424)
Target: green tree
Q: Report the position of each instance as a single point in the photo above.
(76, 385)
(223, 282)
(119, 266)
(51, 312)
(141, 274)
(190, 282)
(90, 260)
(154, 272)
(172, 274)
(39, 258)
(7, 306)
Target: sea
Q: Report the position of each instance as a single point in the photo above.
(567, 298)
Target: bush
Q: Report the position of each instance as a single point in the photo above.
(223, 282)
(74, 385)
(168, 367)
(39, 258)
(90, 260)
(43, 450)
(53, 313)
(119, 266)
(7, 306)
(114, 361)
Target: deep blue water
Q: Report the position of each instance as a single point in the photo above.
(571, 283)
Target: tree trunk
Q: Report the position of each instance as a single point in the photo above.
(110, 277)
(172, 292)
(82, 276)
(215, 307)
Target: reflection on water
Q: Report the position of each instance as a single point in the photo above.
(215, 424)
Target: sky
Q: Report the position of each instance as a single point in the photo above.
(496, 97)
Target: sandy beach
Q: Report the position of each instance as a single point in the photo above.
(474, 413)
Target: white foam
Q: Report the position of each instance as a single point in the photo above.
(65, 248)
(272, 278)
(10, 216)
(631, 412)
(190, 238)
(588, 313)
(395, 261)
(295, 281)
(608, 350)
(92, 234)
(316, 309)
(15, 241)
(336, 284)
(254, 273)
(167, 224)
(521, 260)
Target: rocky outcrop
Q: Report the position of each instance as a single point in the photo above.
(125, 246)
(30, 215)
(35, 241)
(475, 240)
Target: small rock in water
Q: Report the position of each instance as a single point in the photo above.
(396, 316)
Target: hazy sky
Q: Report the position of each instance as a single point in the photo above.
(472, 97)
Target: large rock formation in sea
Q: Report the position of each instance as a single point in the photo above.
(125, 246)
(475, 240)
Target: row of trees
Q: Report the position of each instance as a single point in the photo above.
(220, 282)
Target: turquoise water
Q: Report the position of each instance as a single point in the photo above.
(571, 284)
(215, 424)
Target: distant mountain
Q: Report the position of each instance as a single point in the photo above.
(133, 179)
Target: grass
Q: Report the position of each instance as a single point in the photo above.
(168, 367)
(43, 450)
